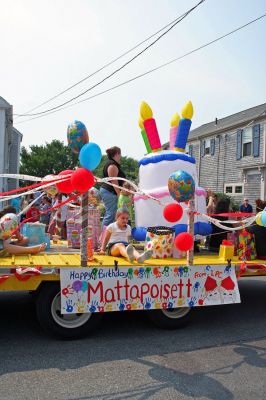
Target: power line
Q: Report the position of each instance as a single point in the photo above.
(103, 67)
(116, 70)
(151, 70)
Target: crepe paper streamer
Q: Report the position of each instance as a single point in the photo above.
(47, 211)
(165, 193)
(152, 134)
(21, 177)
(6, 198)
(30, 204)
(84, 230)
(184, 127)
(146, 141)
(34, 185)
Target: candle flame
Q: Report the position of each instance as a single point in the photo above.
(145, 111)
(141, 123)
(175, 120)
(187, 111)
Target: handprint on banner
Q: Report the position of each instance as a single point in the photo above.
(122, 305)
(81, 305)
(192, 302)
(93, 306)
(69, 306)
(147, 304)
(196, 286)
(67, 290)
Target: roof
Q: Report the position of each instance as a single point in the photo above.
(4, 103)
(237, 120)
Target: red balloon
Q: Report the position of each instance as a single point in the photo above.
(173, 212)
(184, 241)
(65, 186)
(82, 180)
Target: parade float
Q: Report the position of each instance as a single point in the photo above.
(74, 289)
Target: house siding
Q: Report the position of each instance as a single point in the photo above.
(214, 171)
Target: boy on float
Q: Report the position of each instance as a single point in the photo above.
(116, 239)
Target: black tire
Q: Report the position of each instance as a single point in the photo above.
(71, 326)
(171, 318)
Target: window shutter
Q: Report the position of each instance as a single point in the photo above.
(190, 150)
(239, 144)
(256, 140)
(212, 146)
(202, 151)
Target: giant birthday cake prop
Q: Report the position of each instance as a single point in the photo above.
(158, 165)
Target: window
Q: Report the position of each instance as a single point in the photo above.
(228, 189)
(189, 149)
(247, 142)
(208, 146)
(233, 189)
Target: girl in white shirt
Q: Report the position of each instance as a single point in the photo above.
(116, 239)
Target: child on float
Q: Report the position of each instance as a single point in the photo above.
(17, 243)
(125, 200)
(116, 239)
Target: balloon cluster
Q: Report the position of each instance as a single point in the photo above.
(261, 218)
(90, 156)
(181, 187)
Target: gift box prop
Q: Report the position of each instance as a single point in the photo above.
(161, 241)
(74, 227)
(226, 250)
(35, 231)
(246, 247)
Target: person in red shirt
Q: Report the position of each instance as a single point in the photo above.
(33, 213)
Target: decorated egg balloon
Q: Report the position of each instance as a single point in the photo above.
(181, 186)
(77, 136)
(94, 196)
(8, 223)
(50, 190)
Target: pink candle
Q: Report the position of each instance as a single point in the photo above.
(152, 134)
(173, 133)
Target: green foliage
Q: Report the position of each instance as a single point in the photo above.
(233, 205)
(55, 157)
(47, 159)
(128, 165)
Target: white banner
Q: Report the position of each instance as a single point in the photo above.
(104, 289)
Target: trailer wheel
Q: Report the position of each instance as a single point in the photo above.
(170, 318)
(64, 326)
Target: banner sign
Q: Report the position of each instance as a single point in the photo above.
(104, 289)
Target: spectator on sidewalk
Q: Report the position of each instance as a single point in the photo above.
(246, 207)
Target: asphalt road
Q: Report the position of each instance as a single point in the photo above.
(221, 355)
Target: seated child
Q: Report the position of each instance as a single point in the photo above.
(117, 239)
(125, 200)
(8, 223)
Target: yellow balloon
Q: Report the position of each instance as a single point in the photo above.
(187, 111)
(175, 120)
(258, 219)
(145, 111)
(141, 123)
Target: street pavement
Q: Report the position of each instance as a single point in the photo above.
(221, 355)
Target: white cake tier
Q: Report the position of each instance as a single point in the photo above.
(148, 212)
(155, 168)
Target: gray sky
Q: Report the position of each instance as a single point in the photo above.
(48, 45)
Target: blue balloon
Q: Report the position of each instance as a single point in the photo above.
(179, 228)
(90, 156)
(263, 218)
(139, 234)
(202, 228)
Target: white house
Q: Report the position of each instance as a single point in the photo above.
(10, 140)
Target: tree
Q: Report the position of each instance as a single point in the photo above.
(128, 165)
(47, 159)
(55, 157)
